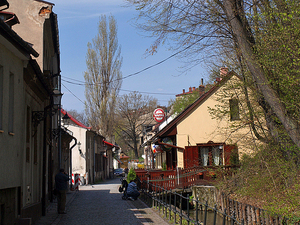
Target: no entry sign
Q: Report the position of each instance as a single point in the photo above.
(159, 115)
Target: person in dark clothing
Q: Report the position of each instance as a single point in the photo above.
(61, 185)
(132, 190)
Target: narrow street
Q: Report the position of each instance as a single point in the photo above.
(103, 204)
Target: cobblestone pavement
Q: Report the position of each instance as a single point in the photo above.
(101, 204)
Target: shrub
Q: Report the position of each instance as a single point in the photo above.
(131, 175)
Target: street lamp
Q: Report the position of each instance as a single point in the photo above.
(38, 116)
(56, 98)
(66, 119)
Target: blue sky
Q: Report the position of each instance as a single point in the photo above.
(78, 21)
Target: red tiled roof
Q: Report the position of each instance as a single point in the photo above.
(199, 101)
(74, 120)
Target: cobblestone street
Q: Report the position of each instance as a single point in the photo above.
(102, 204)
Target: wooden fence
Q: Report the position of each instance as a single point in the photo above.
(181, 178)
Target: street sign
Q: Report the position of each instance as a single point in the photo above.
(159, 115)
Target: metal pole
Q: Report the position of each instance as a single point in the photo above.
(59, 138)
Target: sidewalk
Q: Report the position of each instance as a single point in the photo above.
(140, 212)
(51, 212)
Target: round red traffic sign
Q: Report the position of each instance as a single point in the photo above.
(159, 115)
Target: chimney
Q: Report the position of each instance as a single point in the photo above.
(190, 89)
(194, 89)
(201, 88)
(183, 91)
(223, 72)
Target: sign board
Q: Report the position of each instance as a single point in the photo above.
(159, 115)
(167, 141)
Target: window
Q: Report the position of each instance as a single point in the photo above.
(234, 109)
(11, 104)
(1, 97)
(204, 156)
(216, 156)
(211, 156)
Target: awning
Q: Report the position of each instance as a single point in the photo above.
(119, 161)
(110, 144)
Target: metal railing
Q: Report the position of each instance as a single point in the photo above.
(171, 202)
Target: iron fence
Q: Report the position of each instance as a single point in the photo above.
(170, 201)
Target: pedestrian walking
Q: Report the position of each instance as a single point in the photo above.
(61, 185)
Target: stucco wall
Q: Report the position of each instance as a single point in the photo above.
(79, 160)
(11, 145)
(31, 23)
(200, 126)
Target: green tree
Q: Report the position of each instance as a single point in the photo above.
(198, 25)
(183, 101)
(103, 77)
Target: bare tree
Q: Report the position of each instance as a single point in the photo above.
(196, 26)
(134, 112)
(80, 116)
(103, 77)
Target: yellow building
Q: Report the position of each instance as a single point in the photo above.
(217, 120)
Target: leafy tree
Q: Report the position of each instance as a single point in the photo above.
(184, 101)
(134, 111)
(103, 77)
(198, 25)
(259, 39)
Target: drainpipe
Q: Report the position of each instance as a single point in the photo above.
(94, 150)
(44, 170)
(71, 158)
(59, 139)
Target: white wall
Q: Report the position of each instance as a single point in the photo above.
(78, 160)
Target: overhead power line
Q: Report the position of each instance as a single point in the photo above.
(81, 83)
(73, 94)
(78, 82)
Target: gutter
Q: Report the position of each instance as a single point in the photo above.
(5, 30)
(71, 157)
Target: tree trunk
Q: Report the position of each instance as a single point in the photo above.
(244, 39)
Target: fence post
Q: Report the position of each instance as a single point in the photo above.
(224, 217)
(180, 209)
(215, 214)
(205, 213)
(159, 196)
(197, 210)
(233, 218)
(166, 203)
(170, 208)
(188, 208)
(175, 205)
